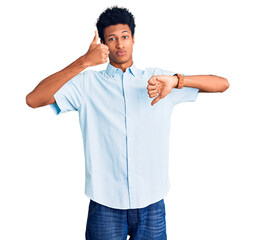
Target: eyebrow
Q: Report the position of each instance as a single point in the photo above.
(114, 34)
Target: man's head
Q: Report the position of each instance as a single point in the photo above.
(116, 28)
(112, 16)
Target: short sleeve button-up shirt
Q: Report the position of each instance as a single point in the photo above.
(126, 139)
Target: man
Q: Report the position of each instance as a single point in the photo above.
(126, 171)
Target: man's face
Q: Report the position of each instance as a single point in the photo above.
(120, 42)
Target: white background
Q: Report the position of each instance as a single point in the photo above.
(212, 156)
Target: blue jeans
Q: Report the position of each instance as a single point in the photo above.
(105, 223)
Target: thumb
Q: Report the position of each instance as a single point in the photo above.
(95, 39)
(155, 100)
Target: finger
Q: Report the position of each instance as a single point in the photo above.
(153, 96)
(155, 92)
(152, 80)
(95, 39)
(151, 87)
(104, 56)
(105, 47)
(155, 100)
(106, 52)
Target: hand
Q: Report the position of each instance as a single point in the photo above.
(161, 85)
(97, 53)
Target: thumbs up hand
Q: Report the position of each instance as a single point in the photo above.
(97, 53)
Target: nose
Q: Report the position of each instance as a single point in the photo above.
(119, 44)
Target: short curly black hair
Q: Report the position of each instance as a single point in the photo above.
(112, 16)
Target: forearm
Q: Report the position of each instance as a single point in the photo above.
(44, 91)
(206, 83)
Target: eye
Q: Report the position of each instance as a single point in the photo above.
(125, 37)
(110, 39)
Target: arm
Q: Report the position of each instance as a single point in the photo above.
(43, 94)
(161, 85)
(206, 83)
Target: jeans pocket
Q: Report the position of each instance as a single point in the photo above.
(92, 207)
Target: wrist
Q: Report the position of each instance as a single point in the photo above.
(85, 62)
(180, 80)
(175, 79)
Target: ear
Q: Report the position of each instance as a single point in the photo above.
(101, 41)
(134, 39)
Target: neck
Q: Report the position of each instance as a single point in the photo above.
(122, 66)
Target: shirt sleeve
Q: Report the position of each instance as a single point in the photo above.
(186, 94)
(70, 96)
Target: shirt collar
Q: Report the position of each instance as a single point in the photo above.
(111, 70)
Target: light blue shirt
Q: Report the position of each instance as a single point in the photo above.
(126, 140)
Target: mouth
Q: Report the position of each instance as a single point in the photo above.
(121, 53)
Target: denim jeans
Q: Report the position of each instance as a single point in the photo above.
(105, 223)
